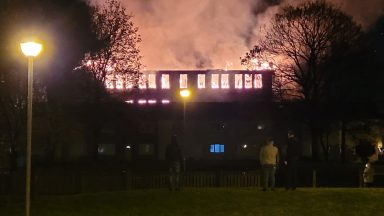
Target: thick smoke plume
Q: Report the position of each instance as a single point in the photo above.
(206, 34)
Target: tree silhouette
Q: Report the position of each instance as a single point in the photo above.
(299, 43)
(118, 53)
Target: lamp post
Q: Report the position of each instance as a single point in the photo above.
(184, 93)
(30, 50)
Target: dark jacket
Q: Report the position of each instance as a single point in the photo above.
(293, 150)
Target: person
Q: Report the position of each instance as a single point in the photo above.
(368, 175)
(292, 157)
(269, 158)
(174, 158)
(369, 170)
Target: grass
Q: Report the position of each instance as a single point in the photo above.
(212, 201)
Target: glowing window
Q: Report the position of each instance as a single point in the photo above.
(109, 83)
(119, 82)
(183, 81)
(224, 81)
(201, 81)
(152, 81)
(239, 81)
(165, 81)
(248, 81)
(165, 101)
(258, 81)
(129, 84)
(143, 82)
(217, 148)
(215, 81)
(152, 101)
(142, 101)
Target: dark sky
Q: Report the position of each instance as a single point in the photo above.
(190, 34)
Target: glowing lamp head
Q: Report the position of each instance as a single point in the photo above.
(185, 93)
(31, 49)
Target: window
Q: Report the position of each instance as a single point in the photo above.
(248, 81)
(165, 101)
(119, 82)
(201, 81)
(217, 148)
(129, 84)
(183, 81)
(146, 149)
(152, 81)
(239, 81)
(106, 149)
(153, 101)
(142, 101)
(143, 82)
(109, 83)
(258, 81)
(215, 81)
(165, 81)
(224, 81)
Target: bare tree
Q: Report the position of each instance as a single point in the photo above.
(116, 57)
(118, 53)
(300, 41)
(303, 38)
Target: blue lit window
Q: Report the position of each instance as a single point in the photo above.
(217, 148)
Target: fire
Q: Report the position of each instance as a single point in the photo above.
(257, 64)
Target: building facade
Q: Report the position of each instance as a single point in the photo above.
(226, 115)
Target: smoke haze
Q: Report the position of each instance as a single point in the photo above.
(206, 34)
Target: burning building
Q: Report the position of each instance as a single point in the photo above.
(225, 116)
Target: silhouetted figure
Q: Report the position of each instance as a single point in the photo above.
(269, 157)
(174, 158)
(291, 160)
(369, 170)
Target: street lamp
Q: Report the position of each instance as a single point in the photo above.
(184, 93)
(31, 50)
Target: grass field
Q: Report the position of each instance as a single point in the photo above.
(219, 201)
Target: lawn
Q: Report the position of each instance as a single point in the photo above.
(212, 201)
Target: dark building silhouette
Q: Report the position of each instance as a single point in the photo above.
(226, 116)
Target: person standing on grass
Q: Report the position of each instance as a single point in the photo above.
(174, 158)
(292, 157)
(269, 158)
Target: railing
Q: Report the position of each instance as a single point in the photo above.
(74, 182)
(48, 183)
(197, 179)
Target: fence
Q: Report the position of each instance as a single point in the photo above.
(49, 183)
(72, 182)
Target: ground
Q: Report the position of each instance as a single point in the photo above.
(209, 201)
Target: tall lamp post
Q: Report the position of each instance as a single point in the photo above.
(31, 50)
(184, 93)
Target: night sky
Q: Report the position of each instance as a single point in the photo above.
(201, 34)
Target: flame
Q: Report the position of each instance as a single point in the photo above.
(257, 64)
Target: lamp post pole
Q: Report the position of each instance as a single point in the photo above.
(29, 137)
(184, 93)
(31, 50)
(184, 110)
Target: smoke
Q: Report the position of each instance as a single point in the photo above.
(206, 34)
